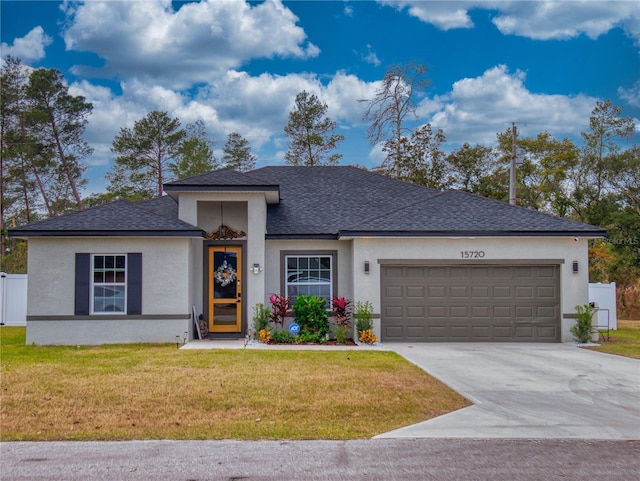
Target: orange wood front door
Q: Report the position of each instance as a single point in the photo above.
(225, 289)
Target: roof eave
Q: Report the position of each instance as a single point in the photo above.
(317, 236)
(271, 192)
(593, 234)
(18, 233)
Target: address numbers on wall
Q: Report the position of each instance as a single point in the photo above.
(471, 254)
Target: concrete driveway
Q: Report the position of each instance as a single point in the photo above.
(529, 391)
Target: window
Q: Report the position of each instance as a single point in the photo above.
(109, 284)
(311, 275)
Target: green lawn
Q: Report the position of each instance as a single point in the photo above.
(150, 391)
(625, 341)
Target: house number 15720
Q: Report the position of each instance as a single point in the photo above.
(472, 254)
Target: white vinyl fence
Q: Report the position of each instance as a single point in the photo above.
(604, 298)
(13, 299)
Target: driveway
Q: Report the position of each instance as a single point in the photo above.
(529, 391)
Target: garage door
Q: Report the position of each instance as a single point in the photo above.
(470, 303)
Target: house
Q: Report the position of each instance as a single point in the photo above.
(436, 265)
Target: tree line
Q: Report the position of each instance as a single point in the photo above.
(597, 182)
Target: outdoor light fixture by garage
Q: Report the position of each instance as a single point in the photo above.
(575, 267)
(366, 267)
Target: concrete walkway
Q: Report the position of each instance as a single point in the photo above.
(241, 344)
(529, 391)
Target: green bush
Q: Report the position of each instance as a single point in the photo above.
(363, 315)
(261, 317)
(282, 336)
(342, 334)
(311, 337)
(311, 314)
(583, 326)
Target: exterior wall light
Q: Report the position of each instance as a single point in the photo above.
(575, 267)
(256, 268)
(366, 267)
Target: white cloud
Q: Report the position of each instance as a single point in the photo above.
(371, 57)
(562, 20)
(444, 15)
(198, 41)
(478, 108)
(541, 20)
(631, 95)
(28, 48)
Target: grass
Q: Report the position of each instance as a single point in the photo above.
(122, 392)
(625, 341)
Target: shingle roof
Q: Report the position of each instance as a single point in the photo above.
(119, 218)
(347, 201)
(225, 180)
(323, 202)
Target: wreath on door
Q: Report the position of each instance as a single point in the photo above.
(225, 274)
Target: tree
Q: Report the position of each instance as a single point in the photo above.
(58, 120)
(470, 168)
(195, 155)
(419, 158)
(237, 153)
(606, 129)
(144, 154)
(310, 134)
(389, 108)
(543, 166)
(623, 175)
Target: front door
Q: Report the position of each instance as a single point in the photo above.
(225, 289)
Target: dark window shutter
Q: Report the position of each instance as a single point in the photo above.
(134, 283)
(83, 283)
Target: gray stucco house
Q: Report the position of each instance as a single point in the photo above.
(436, 265)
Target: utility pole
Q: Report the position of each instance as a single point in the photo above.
(512, 176)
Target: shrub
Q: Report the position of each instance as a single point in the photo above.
(583, 326)
(311, 314)
(368, 337)
(342, 334)
(342, 311)
(310, 337)
(279, 308)
(363, 315)
(264, 336)
(261, 317)
(282, 336)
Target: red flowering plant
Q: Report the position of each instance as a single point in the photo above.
(279, 307)
(342, 311)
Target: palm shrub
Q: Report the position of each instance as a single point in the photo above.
(582, 329)
(311, 314)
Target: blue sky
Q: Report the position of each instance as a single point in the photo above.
(238, 65)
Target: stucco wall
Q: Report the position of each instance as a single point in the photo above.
(273, 274)
(573, 286)
(166, 301)
(245, 211)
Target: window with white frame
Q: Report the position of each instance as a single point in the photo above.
(311, 275)
(109, 283)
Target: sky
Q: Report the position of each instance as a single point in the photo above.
(238, 65)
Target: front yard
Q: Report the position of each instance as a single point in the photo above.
(625, 341)
(158, 392)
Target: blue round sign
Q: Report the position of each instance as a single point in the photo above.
(294, 328)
